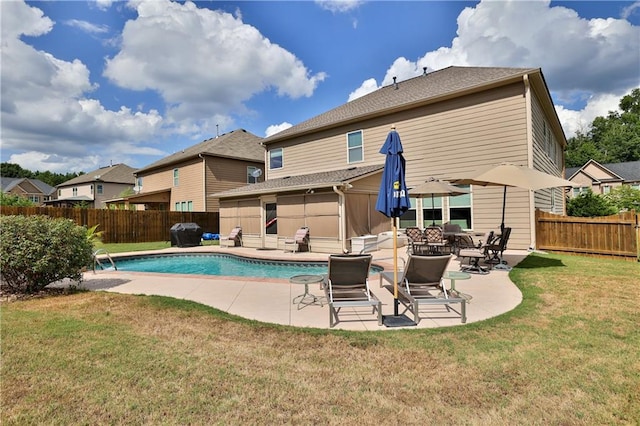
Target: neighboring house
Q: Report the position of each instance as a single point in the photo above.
(34, 190)
(602, 178)
(182, 181)
(94, 188)
(325, 172)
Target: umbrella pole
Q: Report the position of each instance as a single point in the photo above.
(395, 266)
(433, 212)
(504, 205)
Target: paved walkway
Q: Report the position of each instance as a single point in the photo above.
(270, 300)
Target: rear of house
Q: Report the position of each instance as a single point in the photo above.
(450, 121)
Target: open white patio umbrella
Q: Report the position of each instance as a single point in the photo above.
(507, 174)
(436, 188)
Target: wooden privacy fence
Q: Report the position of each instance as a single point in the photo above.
(125, 226)
(616, 235)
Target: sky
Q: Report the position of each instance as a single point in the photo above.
(89, 84)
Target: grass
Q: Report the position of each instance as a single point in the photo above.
(130, 247)
(567, 355)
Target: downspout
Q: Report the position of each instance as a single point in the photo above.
(342, 226)
(532, 198)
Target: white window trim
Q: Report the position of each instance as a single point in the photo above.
(350, 149)
(281, 156)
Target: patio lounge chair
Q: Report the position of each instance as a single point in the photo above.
(234, 239)
(421, 283)
(299, 242)
(347, 286)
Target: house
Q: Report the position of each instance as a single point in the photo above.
(325, 172)
(180, 182)
(94, 188)
(34, 190)
(601, 178)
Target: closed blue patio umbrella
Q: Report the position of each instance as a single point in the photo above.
(393, 201)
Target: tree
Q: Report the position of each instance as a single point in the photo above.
(14, 200)
(611, 139)
(624, 197)
(588, 204)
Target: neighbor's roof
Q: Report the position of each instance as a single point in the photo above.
(117, 173)
(238, 144)
(629, 171)
(296, 183)
(451, 81)
(9, 183)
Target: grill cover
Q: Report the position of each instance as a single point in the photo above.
(186, 235)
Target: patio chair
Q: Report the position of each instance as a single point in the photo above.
(234, 239)
(347, 286)
(299, 242)
(475, 255)
(415, 238)
(497, 248)
(434, 237)
(421, 283)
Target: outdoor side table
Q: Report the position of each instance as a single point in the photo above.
(306, 298)
(457, 275)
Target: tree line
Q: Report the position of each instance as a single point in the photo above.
(10, 170)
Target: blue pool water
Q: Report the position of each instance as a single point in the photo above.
(221, 264)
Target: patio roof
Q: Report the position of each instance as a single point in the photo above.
(301, 182)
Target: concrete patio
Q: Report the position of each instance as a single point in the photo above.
(270, 300)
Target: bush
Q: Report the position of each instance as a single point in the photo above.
(37, 250)
(588, 204)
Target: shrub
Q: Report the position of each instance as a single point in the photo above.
(37, 250)
(588, 204)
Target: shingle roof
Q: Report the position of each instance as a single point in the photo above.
(296, 183)
(629, 171)
(237, 144)
(9, 183)
(423, 89)
(118, 173)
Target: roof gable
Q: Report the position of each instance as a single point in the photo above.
(238, 144)
(626, 171)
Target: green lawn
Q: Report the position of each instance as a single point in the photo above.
(567, 355)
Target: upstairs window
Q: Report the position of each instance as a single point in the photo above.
(355, 152)
(74, 191)
(275, 158)
(99, 189)
(176, 177)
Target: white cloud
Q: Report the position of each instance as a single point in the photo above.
(49, 111)
(87, 27)
(203, 62)
(596, 58)
(339, 6)
(39, 161)
(276, 128)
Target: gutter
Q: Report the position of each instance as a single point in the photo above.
(204, 183)
(341, 223)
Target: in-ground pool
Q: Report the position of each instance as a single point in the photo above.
(221, 264)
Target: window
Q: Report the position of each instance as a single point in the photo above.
(138, 186)
(74, 191)
(34, 198)
(183, 207)
(275, 159)
(553, 200)
(91, 189)
(355, 147)
(410, 216)
(460, 209)
(100, 189)
(271, 225)
(606, 189)
(431, 213)
(177, 206)
(176, 177)
(635, 186)
(253, 174)
(59, 192)
(579, 190)
(189, 206)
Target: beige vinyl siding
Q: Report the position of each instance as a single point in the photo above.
(109, 191)
(223, 174)
(190, 185)
(157, 180)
